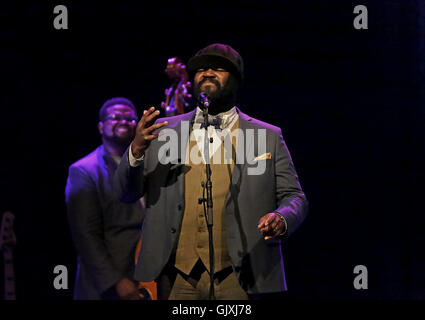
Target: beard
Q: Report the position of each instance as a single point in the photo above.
(223, 98)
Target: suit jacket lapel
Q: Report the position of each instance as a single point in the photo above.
(107, 163)
(241, 158)
(182, 128)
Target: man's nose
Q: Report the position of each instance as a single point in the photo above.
(208, 73)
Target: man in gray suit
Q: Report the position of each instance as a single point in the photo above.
(257, 198)
(105, 231)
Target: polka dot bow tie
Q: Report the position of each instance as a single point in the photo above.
(215, 121)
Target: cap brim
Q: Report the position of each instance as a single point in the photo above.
(212, 61)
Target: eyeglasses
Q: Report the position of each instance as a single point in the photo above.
(121, 117)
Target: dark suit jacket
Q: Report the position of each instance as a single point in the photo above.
(105, 231)
(258, 263)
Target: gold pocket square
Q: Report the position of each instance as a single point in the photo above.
(264, 156)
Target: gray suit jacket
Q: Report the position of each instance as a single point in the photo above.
(258, 263)
(105, 231)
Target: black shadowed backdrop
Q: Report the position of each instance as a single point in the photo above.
(350, 103)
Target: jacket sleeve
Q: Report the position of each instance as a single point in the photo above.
(129, 181)
(86, 225)
(291, 200)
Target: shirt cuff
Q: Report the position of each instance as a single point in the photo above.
(284, 222)
(134, 162)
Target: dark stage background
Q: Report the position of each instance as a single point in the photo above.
(350, 104)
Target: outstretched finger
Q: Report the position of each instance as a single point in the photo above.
(151, 137)
(151, 117)
(156, 126)
(146, 113)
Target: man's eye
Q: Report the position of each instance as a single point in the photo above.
(219, 69)
(201, 70)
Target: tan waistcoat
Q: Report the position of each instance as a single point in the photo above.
(193, 239)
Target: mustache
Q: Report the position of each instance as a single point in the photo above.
(210, 80)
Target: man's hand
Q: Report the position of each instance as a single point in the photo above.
(127, 290)
(144, 130)
(271, 225)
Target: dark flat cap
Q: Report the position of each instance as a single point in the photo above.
(217, 55)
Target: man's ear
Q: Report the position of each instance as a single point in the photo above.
(100, 127)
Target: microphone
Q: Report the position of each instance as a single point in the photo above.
(204, 100)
